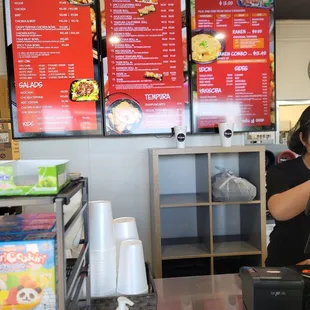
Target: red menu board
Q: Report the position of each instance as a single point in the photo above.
(232, 56)
(146, 90)
(55, 88)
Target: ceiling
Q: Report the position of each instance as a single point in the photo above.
(292, 9)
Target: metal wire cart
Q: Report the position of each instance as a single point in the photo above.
(70, 274)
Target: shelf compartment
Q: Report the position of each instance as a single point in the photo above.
(179, 174)
(184, 248)
(184, 200)
(185, 232)
(74, 303)
(75, 273)
(234, 248)
(26, 201)
(74, 218)
(237, 230)
(186, 267)
(246, 165)
(228, 203)
(230, 265)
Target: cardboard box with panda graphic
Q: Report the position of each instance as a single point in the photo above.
(27, 275)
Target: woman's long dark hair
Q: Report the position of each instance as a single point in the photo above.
(303, 127)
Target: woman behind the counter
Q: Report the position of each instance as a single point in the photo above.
(288, 192)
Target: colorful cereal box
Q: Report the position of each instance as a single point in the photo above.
(27, 275)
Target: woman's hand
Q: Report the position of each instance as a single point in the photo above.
(305, 262)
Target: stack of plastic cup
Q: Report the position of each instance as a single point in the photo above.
(102, 249)
(131, 272)
(125, 228)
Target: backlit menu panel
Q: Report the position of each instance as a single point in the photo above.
(56, 87)
(146, 91)
(233, 64)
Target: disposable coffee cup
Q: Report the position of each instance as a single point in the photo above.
(100, 289)
(101, 226)
(226, 131)
(180, 136)
(99, 256)
(103, 273)
(103, 261)
(131, 272)
(125, 228)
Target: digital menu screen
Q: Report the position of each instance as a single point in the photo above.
(232, 61)
(134, 67)
(145, 66)
(54, 75)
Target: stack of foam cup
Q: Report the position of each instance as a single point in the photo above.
(131, 271)
(125, 228)
(102, 249)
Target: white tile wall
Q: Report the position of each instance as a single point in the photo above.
(117, 168)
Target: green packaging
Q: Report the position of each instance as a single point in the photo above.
(32, 177)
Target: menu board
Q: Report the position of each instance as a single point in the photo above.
(54, 76)
(232, 59)
(134, 67)
(146, 72)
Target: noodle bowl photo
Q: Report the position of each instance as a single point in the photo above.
(207, 46)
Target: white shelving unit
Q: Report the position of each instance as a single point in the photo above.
(188, 224)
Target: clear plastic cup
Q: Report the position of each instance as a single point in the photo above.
(131, 272)
(101, 226)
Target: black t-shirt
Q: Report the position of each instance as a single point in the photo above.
(289, 238)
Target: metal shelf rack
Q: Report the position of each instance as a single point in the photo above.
(68, 285)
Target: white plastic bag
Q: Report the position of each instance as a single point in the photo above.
(228, 187)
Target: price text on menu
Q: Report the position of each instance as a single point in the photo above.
(145, 65)
(235, 86)
(52, 47)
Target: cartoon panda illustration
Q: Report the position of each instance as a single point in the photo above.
(28, 297)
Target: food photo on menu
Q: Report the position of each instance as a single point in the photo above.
(256, 3)
(124, 115)
(145, 66)
(81, 2)
(207, 46)
(146, 10)
(232, 64)
(54, 83)
(84, 90)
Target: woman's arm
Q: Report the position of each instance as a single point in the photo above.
(284, 206)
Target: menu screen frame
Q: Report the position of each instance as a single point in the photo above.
(148, 124)
(100, 48)
(98, 120)
(195, 127)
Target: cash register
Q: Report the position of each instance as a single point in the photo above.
(277, 288)
(271, 288)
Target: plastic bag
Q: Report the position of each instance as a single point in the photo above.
(228, 187)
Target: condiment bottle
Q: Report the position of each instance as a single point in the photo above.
(123, 302)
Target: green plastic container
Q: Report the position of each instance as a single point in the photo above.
(32, 177)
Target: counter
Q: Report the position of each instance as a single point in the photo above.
(222, 292)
